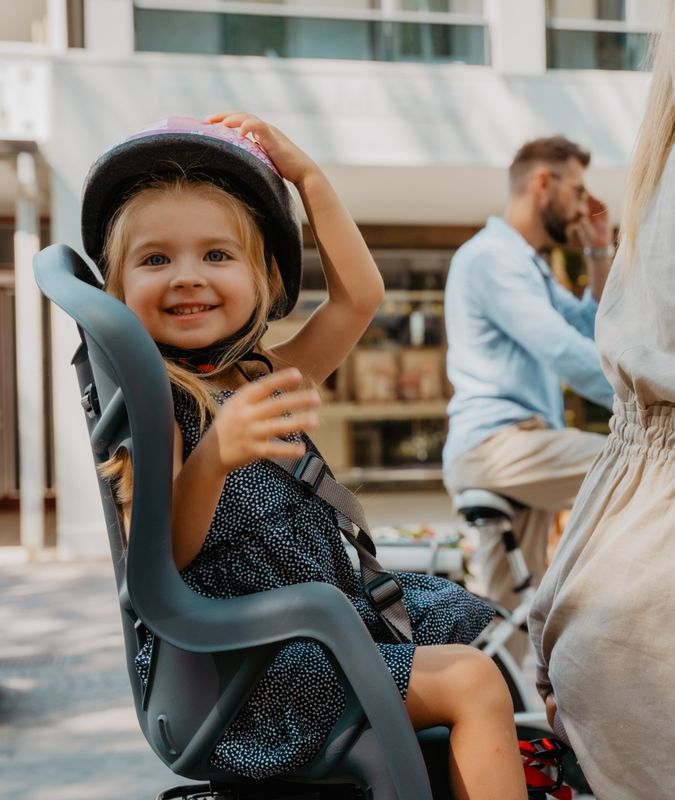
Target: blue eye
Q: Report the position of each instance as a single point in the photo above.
(217, 255)
(156, 260)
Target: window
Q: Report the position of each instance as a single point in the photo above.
(603, 34)
(393, 30)
(24, 22)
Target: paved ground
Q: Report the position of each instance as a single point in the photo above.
(67, 728)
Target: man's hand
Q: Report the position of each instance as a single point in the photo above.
(594, 229)
(595, 236)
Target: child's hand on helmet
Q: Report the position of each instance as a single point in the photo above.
(247, 422)
(287, 157)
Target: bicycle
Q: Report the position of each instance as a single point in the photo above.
(492, 513)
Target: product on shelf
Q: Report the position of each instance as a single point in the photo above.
(421, 375)
(374, 374)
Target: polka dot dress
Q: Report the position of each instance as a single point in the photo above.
(270, 531)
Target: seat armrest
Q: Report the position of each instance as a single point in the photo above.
(318, 612)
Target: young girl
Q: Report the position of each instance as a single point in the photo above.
(194, 230)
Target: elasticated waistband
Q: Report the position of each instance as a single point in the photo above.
(645, 431)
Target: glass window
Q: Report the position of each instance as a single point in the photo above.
(306, 37)
(570, 49)
(443, 6)
(587, 9)
(428, 42)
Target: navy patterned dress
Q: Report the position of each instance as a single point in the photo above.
(270, 531)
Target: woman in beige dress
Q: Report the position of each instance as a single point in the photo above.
(603, 622)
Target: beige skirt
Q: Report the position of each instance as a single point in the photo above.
(603, 622)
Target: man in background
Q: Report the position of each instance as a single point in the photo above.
(514, 335)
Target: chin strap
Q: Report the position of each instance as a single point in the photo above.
(203, 360)
(382, 589)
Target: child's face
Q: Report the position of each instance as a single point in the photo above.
(185, 275)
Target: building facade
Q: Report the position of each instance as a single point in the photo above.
(413, 107)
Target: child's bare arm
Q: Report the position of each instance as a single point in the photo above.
(355, 287)
(241, 432)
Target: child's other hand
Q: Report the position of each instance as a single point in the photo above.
(288, 158)
(245, 424)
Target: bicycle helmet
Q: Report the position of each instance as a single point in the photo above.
(186, 145)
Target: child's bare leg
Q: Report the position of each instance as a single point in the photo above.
(459, 686)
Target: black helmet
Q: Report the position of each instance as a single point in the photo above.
(185, 145)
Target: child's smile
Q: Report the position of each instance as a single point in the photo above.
(185, 274)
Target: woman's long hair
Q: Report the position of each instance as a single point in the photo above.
(268, 285)
(656, 134)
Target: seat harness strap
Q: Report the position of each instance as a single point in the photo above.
(382, 589)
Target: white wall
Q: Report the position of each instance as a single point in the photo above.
(448, 127)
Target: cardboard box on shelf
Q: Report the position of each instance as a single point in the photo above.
(374, 374)
(422, 373)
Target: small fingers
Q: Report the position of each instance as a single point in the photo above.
(282, 426)
(232, 119)
(287, 403)
(282, 381)
(248, 124)
(274, 448)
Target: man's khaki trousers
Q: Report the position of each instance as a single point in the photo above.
(541, 469)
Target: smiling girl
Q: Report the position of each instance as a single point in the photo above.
(194, 229)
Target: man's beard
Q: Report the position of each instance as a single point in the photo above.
(555, 223)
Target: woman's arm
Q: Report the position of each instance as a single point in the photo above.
(355, 286)
(246, 428)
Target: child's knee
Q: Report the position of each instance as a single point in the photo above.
(481, 684)
(456, 681)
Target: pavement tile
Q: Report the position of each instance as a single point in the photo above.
(68, 730)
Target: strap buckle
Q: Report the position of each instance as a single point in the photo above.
(310, 470)
(89, 402)
(544, 769)
(383, 592)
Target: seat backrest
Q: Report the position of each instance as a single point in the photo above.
(209, 654)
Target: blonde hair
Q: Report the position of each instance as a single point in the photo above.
(656, 134)
(268, 285)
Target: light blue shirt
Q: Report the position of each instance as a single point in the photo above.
(514, 334)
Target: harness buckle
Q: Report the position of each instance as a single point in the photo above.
(310, 470)
(383, 591)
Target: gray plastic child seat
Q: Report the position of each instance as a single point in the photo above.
(209, 654)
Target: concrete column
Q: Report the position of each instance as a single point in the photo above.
(517, 36)
(57, 25)
(30, 384)
(109, 26)
(80, 527)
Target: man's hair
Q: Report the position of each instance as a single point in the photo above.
(543, 152)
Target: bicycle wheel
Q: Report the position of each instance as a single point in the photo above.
(519, 702)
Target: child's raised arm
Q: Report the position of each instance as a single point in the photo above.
(355, 287)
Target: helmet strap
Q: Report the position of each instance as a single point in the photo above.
(203, 360)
